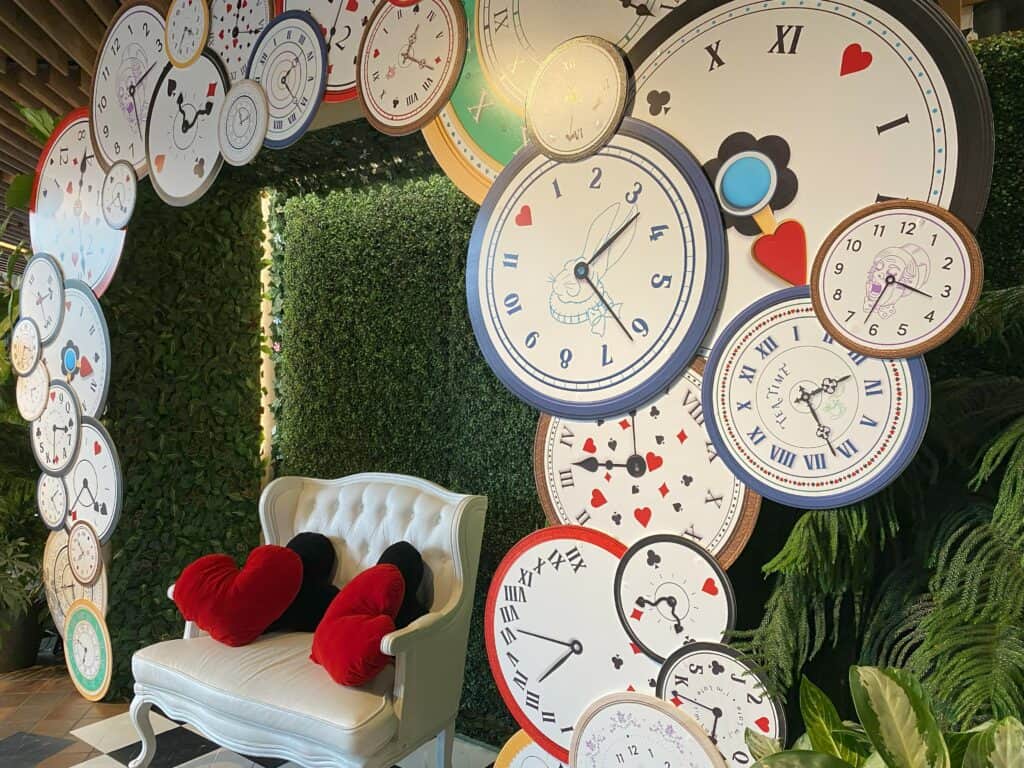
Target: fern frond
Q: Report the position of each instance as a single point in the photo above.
(967, 412)
(998, 316)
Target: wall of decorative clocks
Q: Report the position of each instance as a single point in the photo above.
(341, 22)
(60, 585)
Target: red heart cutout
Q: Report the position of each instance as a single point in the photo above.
(376, 53)
(654, 461)
(85, 367)
(589, 446)
(228, 8)
(353, 5)
(53, 396)
(525, 217)
(97, 449)
(784, 253)
(855, 59)
(762, 723)
(597, 499)
(69, 188)
(710, 587)
(159, 161)
(642, 515)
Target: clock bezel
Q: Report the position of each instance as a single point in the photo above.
(104, 636)
(203, 37)
(57, 383)
(63, 519)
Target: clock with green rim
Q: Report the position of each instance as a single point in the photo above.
(87, 649)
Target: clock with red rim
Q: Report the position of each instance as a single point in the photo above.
(186, 31)
(94, 482)
(410, 58)
(341, 22)
(802, 419)
(79, 354)
(32, 391)
(550, 652)
(711, 683)
(670, 592)
(25, 346)
(42, 294)
(55, 434)
(52, 501)
(234, 27)
(84, 554)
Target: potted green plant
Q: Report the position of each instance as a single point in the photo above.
(20, 592)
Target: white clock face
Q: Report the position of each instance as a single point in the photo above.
(130, 61)
(55, 434)
(521, 752)
(670, 592)
(52, 501)
(290, 62)
(79, 354)
(61, 587)
(577, 99)
(724, 695)
(120, 188)
(84, 555)
(25, 346)
(890, 117)
(550, 652)
(243, 122)
(803, 420)
(182, 144)
(85, 649)
(187, 30)
(42, 295)
(94, 482)
(591, 284)
(32, 391)
(515, 36)
(897, 280)
(410, 57)
(638, 732)
(66, 220)
(341, 22)
(234, 29)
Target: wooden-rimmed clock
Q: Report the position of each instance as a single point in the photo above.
(187, 28)
(87, 650)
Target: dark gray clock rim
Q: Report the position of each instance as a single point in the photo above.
(725, 650)
(83, 287)
(63, 519)
(78, 432)
(55, 265)
(670, 538)
(959, 68)
(115, 515)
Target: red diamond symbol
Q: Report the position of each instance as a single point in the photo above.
(607, 477)
(211, 90)
(624, 423)
(636, 648)
(631, 689)
(677, 701)
(663, 490)
(637, 614)
(682, 436)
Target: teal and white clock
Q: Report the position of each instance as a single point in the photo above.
(87, 649)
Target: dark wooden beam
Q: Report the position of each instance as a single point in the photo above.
(68, 87)
(10, 87)
(17, 151)
(104, 10)
(82, 18)
(19, 50)
(37, 87)
(61, 32)
(30, 33)
(15, 122)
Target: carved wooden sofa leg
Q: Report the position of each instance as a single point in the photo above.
(140, 718)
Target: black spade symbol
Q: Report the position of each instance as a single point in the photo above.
(677, 507)
(659, 439)
(617, 518)
(172, 86)
(652, 683)
(653, 558)
(658, 102)
(636, 489)
(613, 444)
(655, 413)
(200, 167)
(716, 668)
(687, 480)
(617, 661)
(600, 422)
(394, 104)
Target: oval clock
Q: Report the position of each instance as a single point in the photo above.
(94, 482)
(87, 649)
(84, 554)
(60, 585)
(120, 190)
(42, 294)
(186, 30)
(522, 752)
(243, 122)
(341, 22)
(234, 29)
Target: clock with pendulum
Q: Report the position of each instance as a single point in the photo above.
(87, 650)
(234, 29)
(61, 587)
(42, 294)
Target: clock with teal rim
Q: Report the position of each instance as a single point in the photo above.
(87, 649)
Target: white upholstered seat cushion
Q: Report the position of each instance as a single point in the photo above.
(273, 685)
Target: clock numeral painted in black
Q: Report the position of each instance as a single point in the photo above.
(716, 57)
(905, 120)
(787, 38)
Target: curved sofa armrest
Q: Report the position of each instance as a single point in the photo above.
(191, 630)
(401, 640)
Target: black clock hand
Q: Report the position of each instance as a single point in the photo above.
(607, 306)
(575, 650)
(694, 701)
(632, 423)
(823, 431)
(592, 464)
(714, 728)
(548, 639)
(915, 290)
(334, 26)
(827, 385)
(889, 280)
(614, 237)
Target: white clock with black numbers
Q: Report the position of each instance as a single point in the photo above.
(591, 284)
(52, 501)
(94, 482)
(31, 392)
(712, 684)
(79, 355)
(25, 346)
(802, 419)
(84, 554)
(120, 190)
(243, 122)
(341, 22)
(42, 294)
(234, 29)
(55, 434)
(187, 29)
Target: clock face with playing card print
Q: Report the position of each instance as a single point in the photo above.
(94, 482)
(410, 57)
(522, 752)
(550, 652)
(802, 419)
(341, 22)
(712, 684)
(654, 470)
(903, 113)
(182, 142)
(235, 26)
(42, 294)
(670, 592)
(55, 434)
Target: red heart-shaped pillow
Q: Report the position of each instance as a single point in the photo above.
(348, 647)
(377, 591)
(237, 605)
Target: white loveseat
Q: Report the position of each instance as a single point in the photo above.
(268, 699)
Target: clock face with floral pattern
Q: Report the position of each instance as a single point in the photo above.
(79, 355)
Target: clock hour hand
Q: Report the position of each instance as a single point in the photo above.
(889, 281)
(823, 432)
(575, 649)
(694, 702)
(828, 386)
(618, 233)
(591, 464)
(912, 288)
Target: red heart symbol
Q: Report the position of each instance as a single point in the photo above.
(784, 253)
(221, 34)
(597, 499)
(74, 261)
(589, 446)
(654, 461)
(69, 188)
(53, 396)
(97, 449)
(159, 161)
(229, 7)
(762, 723)
(67, 304)
(525, 217)
(710, 587)
(855, 59)
(353, 5)
(642, 515)
(85, 367)
(376, 53)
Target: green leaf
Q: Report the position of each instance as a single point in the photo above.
(1001, 745)
(801, 759)
(19, 191)
(893, 710)
(957, 743)
(855, 742)
(761, 746)
(874, 761)
(39, 121)
(803, 743)
(821, 718)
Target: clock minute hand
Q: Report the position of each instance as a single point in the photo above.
(607, 306)
(608, 243)
(592, 464)
(575, 650)
(912, 288)
(548, 639)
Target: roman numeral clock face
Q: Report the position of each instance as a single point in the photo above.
(79, 354)
(341, 22)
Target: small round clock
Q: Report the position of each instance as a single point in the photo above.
(84, 554)
(803, 420)
(128, 64)
(42, 294)
(670, 592)
(712, 684)
(410, 58)
(95, 483)
(522, 752)
(32, 391)
(52, 501)
(120, 189)
(550, 652)
(290, 62)
(61, 587)
(897, 279)
(87, 650)
(182, 142)
(66, 216)
(341, 22)
(55, 434)
(591, 284)
(25, 346)
(234, 28)
(187, 28)
(243, 122)
(577, 99)
(79, 354)
(637, 731)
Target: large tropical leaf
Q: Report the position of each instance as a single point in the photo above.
(801, 759)
(821, 719)
(1001, 745)
(761, 746)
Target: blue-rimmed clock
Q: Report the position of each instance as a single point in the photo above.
(803, 420)
(591, 284)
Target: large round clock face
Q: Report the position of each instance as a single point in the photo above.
(341, 22)
(634, 731)
(803, 420)
(410, 57)
(42, 294)
(234, 28)
(55, 434)
(187, 29)
(897, 279)
(522, 752)
(120, 189)
(129, 63)
(87, 649)
(60, 585)
(902, 112)
(94, 482)
(653, 470)
(724, 695)
(591, 284)
(550, 652)
(290, 62)
(670, 592)
(79, 354)
(182, 142)
(25, 346)
(32, 391)
(66, 220)
(52, 501)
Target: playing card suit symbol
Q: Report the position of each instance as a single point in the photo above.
(437, 60)
(395, 103)
(657, 101)
(677, 507)
(636, 489)
(159, 161)
(74, 261)
(784, 253)
(97, 449)
(172, 86)
(199, 168)
(643, 516)
(376, 52)
(53, 396)
(653, 558)
(69, 188)
(617, 518)
(763, 724)
(613, 444)
(221, 34)
(710, 587)
(655, 413)
(525, 217)
(659, 439)
(687, 480)
(855, 59)
(85, 367)
(617, 661)
(590, 446)
(352, 6)
(654, 461)
(597, 499)
(228, 7)
(716, 667)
